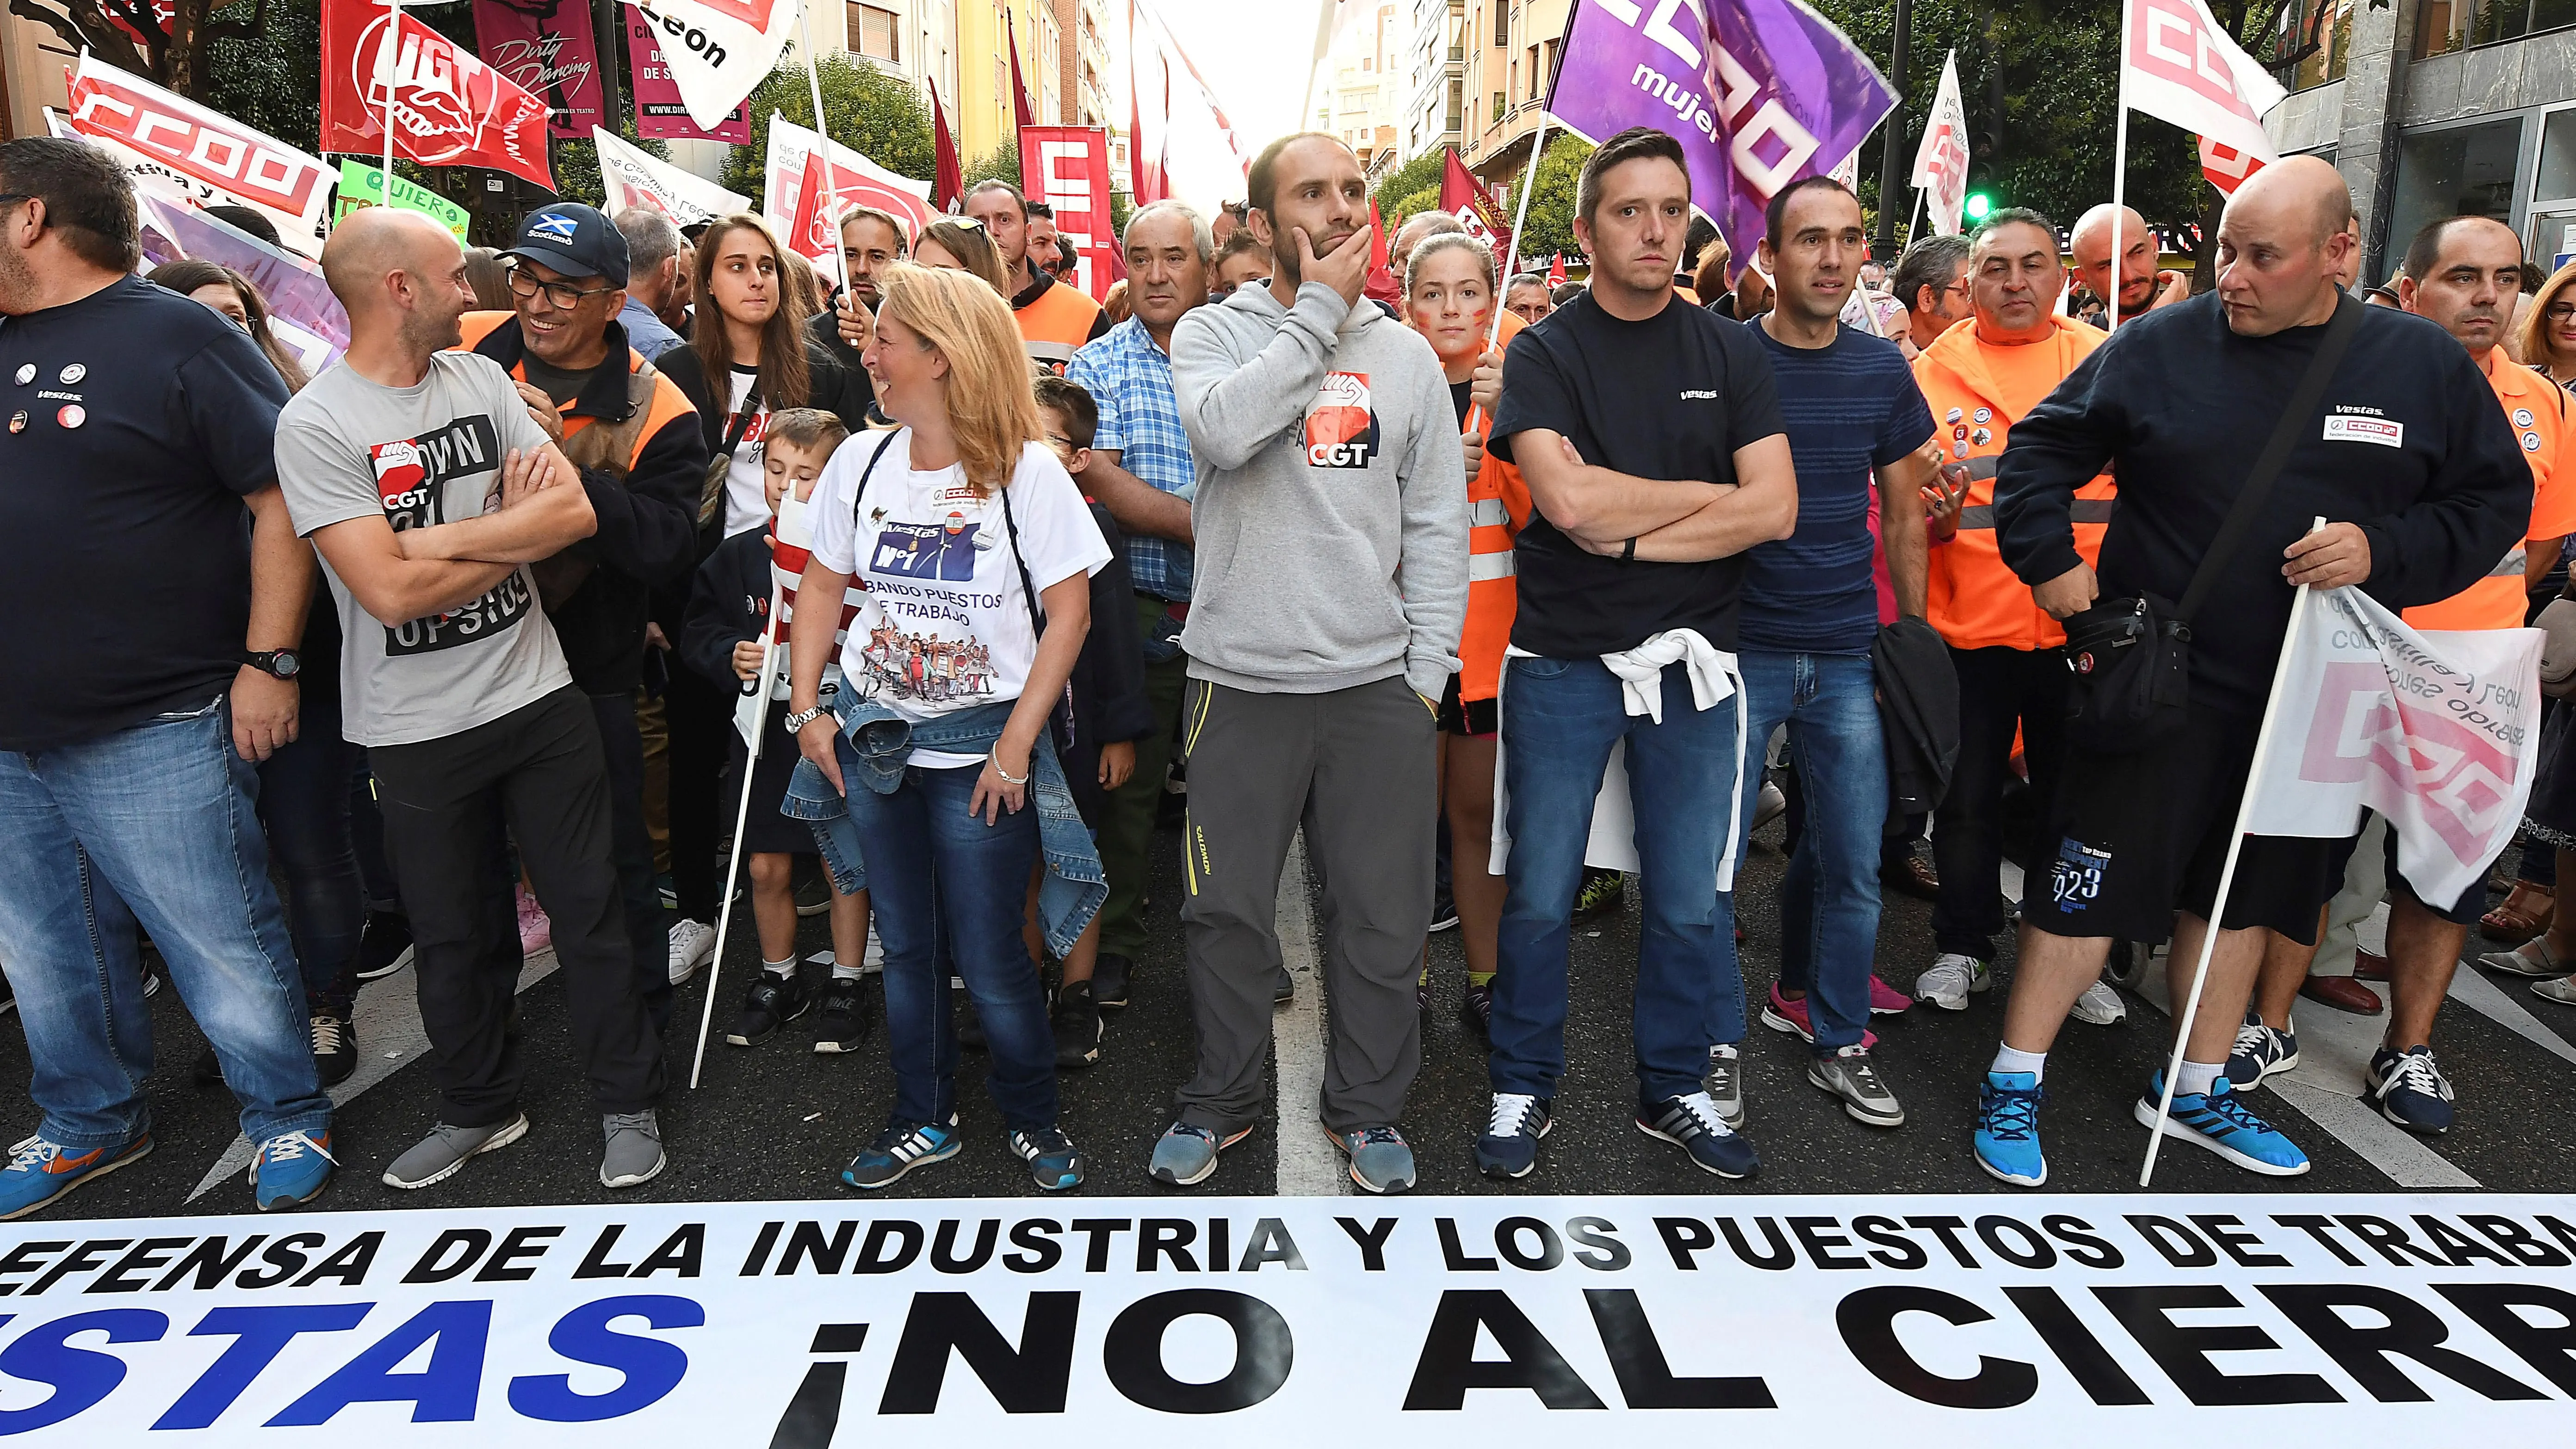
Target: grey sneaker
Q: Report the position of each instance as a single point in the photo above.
(1185, 1155)
(634, 1152)
(1949, 980)
(445, 1149)
(1380, 1162)
(1852, 1076)
(1725, 1084)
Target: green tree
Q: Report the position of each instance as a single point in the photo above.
(1394, 210)
(269, 80)
(1549, 226)
(1002, 163)
(1399, 187)
(865, 109)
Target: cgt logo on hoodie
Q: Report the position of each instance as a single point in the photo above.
(1340, 430)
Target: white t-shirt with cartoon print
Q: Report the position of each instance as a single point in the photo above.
(946, 623)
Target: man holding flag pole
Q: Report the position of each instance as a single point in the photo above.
(2399, 441)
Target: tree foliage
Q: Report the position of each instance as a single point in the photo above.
(1549, 226)
(866, 110)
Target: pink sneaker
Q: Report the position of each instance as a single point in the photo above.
(536, 933)
(1782, 1014)
(1886, 1000)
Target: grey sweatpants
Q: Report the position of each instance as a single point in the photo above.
(1354, 767)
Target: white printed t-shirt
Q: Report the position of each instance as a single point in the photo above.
(746, 491)
(946, 623)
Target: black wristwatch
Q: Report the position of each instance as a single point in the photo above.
(279, 663)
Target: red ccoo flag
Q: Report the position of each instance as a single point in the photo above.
(948, 177)
(809, 232)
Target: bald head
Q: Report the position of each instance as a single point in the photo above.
(2090, 243)
(401, 278)
(2282, 247)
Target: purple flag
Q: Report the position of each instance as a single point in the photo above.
(1760, 93)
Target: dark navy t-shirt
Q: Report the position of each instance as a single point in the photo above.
(1850, 407)
(136, 421)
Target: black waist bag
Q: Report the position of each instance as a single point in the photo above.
(2131, 657)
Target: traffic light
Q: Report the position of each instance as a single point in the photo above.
(1979, 206)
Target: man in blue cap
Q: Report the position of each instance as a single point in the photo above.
(628, 426)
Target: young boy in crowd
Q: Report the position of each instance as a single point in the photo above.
(1110, 711)
(728, 622)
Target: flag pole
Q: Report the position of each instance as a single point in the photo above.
(2226, 875)
(393, 65)
(1512, 252)
(1914, 228)
(741, 814)
(2111, 304)
(823, 138)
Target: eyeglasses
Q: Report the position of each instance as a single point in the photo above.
(2559, 311)
(526, 284)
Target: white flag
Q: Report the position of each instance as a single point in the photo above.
(2438, 732)
(176, 148)
(632, 176)
(2184, 68)
(855, 181)
(1941, 162)
(720, 49)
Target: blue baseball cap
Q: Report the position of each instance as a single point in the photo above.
(574, 240)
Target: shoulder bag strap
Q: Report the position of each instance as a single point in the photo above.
(858, 495)
(1063, 720)
(2276, 453)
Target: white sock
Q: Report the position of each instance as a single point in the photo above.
(2009, 1060)
(781, 969)
(2197, 1077)
(840, 971)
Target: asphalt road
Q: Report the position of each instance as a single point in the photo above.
(778, 1121)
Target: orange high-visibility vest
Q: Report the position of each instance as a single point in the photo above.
(1498, 504)
(1057, 323)
(2537, 410)
(1974, 599)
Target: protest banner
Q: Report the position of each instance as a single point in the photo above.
(660, 113)
(449, 108)
(546, 48)
(719, 50)
(1918, 1320)
(1941, 163)
(363, 185)
(855, 180)
(1067, 167)
(180, 149)
(1760, 93)
(1462, 198)
(302, 313)
(631, 176)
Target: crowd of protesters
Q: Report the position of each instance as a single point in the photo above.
(1436, 566)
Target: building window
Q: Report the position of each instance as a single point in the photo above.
(1502, 30)
(2557, 179)
(2443, 26)
(1457, 103)
(2459, 171)
(1535, 80)
(875, 33)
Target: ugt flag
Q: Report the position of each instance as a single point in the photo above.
(2438, 732)
(1941, 163)
(449, 108)
(2182, 67)
(1761, 93)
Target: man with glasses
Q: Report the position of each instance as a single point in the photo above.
(1932, 281)
(629, 428)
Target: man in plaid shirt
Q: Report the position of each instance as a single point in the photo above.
(1142, 472)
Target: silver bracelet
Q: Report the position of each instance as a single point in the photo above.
(1007, 777)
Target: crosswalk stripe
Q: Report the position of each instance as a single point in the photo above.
(1308, 1164)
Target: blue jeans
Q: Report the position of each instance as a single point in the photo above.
(1829, 898)
(1560, 719)
(943, 884)
(158, 824)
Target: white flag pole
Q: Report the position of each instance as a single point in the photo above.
(741, 815)
(823, 138)
(1914, 228)
(2226, 875)
(2119, 208)
(1512, 254)
(393, 66)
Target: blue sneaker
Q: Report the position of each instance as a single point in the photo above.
(1509, 1147)
(1690, 1122)
(40, 1171)
(1185, 1155)
(898, 1150)
(1380, 1160)
(2220, 1121)
(291, 1170)
(1052, 1158)
(2410, 1090)
(2260, 1052)
(2007, 1140)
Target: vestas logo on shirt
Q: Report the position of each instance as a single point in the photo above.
(409, 470)
(1340, 431)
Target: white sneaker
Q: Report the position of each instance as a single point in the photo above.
(874, 961)
(1947, 982)
(693, 944)
(1768, 805)
(2101, 1006)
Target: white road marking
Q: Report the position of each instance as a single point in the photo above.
(390, 1036)
(1308, 1164)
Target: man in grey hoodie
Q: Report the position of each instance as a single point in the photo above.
(1331, 584)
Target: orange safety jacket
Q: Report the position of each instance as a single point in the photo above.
(1498, 507)
(1974, 599)
(1057, 323)
(2537, 409)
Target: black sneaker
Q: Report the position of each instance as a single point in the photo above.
(1476, 1008)
(772, 1002)
(1600, 893)
(1444, 914)
(1077, 1025)
(1109, 981)
(384, 947)
(1284, 990)
(335, 1047)
(208, 1071)
(1690, 1122)
(844, 1022)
